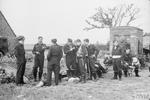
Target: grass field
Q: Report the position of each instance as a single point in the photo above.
(131, 88)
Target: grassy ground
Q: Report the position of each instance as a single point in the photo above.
(131, 88)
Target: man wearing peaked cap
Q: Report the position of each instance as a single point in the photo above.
(54, 56)
(38, 51)
(54, 40)
(116, 55)
(70, 40)
(91, 58)
(21, 61)
(70, 51)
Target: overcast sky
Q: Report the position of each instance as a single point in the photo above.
(63, 19)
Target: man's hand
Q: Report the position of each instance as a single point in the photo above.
(93, 56)
(44, 47)
(126, 63)
(37, 53)
(72, 48)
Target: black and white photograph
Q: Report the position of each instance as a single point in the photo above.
(74, 49)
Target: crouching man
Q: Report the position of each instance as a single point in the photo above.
(54, 56)
(116, 55)
(127, 61)
(136, 65)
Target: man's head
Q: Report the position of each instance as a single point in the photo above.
(54, 41)
(21, 39)
(115, 42)
(40, 39)
(78, 42)
(69, 41)
(86, 41)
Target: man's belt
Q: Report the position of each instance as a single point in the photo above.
(116, 56)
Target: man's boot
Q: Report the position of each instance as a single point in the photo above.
(115, 76)
(34, 74)
(94, 75)
(120, 75)
(40, 76)
(84, 79)
(137, 73)
(125, 74)
(69, 73)
(81, 79)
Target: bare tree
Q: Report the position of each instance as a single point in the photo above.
(122, 15)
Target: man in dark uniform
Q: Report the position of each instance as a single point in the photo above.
(116, 55)
(21, 61)
(70, 51)
(38, 51)
(92, 57)
(82, 53)
(127, 61)
(54, 56)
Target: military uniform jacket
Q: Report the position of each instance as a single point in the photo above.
(54, 55)
(70, 54)
(92, 50)
(82, 51)
(20, 53)
(39, 48)
(127, 58)
(117, 51)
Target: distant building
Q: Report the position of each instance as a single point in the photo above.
(128, 34)
(6, 31)
(146, 41)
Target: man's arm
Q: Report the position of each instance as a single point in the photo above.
(16, 51)
(34, 50)
(45, 47)
(84, 50)
(96, 51)
(66, 49)
(61, 53)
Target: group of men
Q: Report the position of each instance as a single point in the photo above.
(80, 60)
(123, 60)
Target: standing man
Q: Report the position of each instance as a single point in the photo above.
(54, 56)
(21, 61)
(92, 57)
(38, 51)
(116, 55)
(82, 53)
(70, 51)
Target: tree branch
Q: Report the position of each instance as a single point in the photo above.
(112, 17)
(93, 26)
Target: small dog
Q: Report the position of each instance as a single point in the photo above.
(130, 71)
(135, 64)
